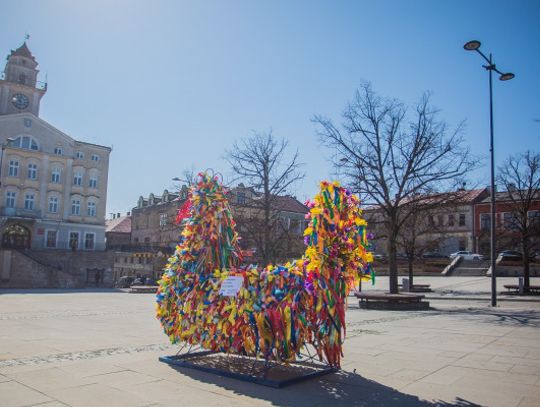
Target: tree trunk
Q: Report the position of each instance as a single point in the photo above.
(266, 231)
(526, 266)
(410, 272)
(392, 264)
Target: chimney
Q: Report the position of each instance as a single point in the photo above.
(118, 215)
(128, 213)
(511, 187)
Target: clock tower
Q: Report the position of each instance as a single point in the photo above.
(20, 91)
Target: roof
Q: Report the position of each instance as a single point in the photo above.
(289, 203)
(67, 137)
(118, 225)
(461, 196)
(22, 51)
(505, 196)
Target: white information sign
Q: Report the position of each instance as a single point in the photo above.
(231, 285)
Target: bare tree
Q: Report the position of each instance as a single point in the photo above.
(260, 161)
(391, 156)
(189, 177)
(412, 237)
(520, 177)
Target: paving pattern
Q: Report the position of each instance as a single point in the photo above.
(102, 349)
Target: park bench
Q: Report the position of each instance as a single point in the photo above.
(515, 287)
(370, 300)
(419, 288)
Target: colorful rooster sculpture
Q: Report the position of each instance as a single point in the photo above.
(207, 298)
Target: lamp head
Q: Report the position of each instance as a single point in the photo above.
(506, 76)
(472, 45)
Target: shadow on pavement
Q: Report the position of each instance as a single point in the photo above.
(60, 290)
(338, 389)
(494, 316)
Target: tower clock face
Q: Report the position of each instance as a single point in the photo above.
(20, 101)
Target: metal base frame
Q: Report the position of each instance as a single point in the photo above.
(258, 376)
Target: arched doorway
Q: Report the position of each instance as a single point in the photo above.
(16, 237)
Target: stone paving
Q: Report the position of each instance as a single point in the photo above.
(101, 349)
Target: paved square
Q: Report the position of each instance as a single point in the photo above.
(102, 349)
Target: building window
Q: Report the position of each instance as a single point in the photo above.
(509, 221)
(91, 209)
(53, 204)
(29, 201)
(77, 179)
(93, 182)
(75, 207)
(50, 241)
(241, 198)
(57, 151)
(462, 219)
(79, 155)
(94, 157)
(451, 220)
(13, 168)
(485, 221)
(10, 199)
(32, 171)
(73, 240)
(533, 218)
(162, 219)
(55, 175)
(89, 240)
(440, 220)
(25, 142)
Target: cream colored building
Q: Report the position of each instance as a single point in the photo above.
(53, 189)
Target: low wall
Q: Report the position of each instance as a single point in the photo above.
(54, 269)
(421, 267)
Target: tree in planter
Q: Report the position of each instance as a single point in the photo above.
(520, 177)
(261, 162)
(392, 156)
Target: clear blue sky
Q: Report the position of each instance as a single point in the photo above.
(172, 84)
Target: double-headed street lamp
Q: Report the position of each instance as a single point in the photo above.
(475, 46)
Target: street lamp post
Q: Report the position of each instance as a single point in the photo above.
(490, 67)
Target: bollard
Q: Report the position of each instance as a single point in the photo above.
(405, 284)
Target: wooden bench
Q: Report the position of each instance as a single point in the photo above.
(419, 288)
(515, 287)
(370, 300)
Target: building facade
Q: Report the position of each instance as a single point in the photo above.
(153, 226)
(53, 188)
(508, 236)
(445, 223)
(118, 232)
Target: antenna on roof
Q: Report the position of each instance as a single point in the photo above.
(26, 36)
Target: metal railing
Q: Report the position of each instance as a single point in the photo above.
(37, 84)
(20, 212)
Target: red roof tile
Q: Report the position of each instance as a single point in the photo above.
(118, 225)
